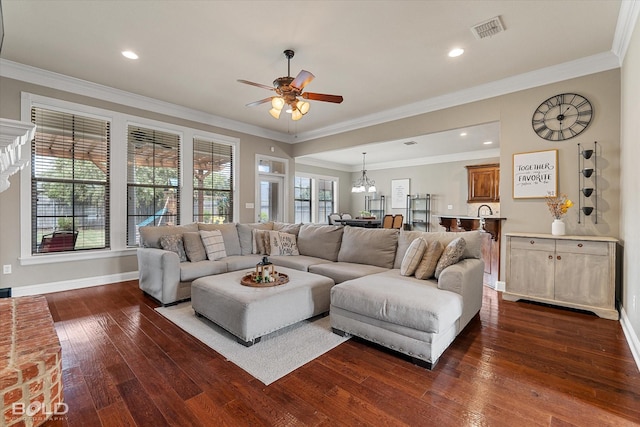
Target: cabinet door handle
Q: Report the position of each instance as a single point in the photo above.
(531, 241)
(550, 256)
(559, 257)
(579, 245)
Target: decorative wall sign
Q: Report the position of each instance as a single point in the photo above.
(399, 191)
(535, 174)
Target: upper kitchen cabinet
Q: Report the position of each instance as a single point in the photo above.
(483, 183)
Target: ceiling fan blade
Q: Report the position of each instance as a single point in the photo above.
(262, 101)
(322, 97)
(302, 79)
(247, 82)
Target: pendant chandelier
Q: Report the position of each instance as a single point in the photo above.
(363, 183)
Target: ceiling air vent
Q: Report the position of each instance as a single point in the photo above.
(410, 143)
(488, 28)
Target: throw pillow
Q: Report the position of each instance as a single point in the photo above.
(213, 244)
(193, 246)
(452, 254)
(427, 266)
(261, 243)
(413, 256)
(282, 243)
(173, 243)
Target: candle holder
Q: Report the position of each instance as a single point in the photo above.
(265, 271)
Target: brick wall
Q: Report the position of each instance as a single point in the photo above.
(30, 363)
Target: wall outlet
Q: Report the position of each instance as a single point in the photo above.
(500, 286)
(450, 207)
(6, 269)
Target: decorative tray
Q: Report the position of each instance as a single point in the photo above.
(250, 280)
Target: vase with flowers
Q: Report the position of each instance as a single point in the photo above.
(558, 206)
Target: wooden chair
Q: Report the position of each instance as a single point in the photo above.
(58, 241)
(397, 221)
(387, 221)
(332, 218)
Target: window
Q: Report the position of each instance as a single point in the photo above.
(212, 182)
(302, 199)
(326, 199)
(315, 198)
(153, 179)
(69, 182)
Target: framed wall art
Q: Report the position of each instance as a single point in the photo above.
(535, 174)
(399, 191)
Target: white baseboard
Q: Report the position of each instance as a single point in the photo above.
(632, 337)
(68, 285)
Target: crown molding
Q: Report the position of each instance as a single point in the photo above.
(627, 19)
(580, 67)
(38, 76)
(420, 161)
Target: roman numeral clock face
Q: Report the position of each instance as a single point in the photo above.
(562, 117)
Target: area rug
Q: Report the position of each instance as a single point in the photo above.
(276, 355)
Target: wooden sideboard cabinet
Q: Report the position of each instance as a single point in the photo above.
(483, 183)
(570, 271)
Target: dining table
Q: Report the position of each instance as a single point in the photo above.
(360, 222)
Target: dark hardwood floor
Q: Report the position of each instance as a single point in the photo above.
(516, 364)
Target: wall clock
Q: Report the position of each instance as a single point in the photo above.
(562, 117)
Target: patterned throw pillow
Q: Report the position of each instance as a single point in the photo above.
(282, 243)
(193, 246)
(413, 256)
(261, 243)
(427, 266)
(452, 254)
(173, 243)
(213, 244)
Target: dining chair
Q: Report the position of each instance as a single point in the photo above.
(332, 217)
(387, 221)
(397, 221)
(346, 216)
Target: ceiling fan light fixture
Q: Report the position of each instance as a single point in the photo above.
(275, 113)
(296, 114)
(303, 107)
(277, 102)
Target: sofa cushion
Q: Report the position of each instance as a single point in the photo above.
(451, 255)
(193, 270)
(473, 239)
(413, 257)
(300, 262)
(241, 262)
(427, 267)
(173, 243)
(343, 271)
(399, 300)
(245, 236)
(374, 246)
(285, 227)
(193, 246)
(150, 234)
(213, 244)
(229, 235)
(321, 241)
(282, 244)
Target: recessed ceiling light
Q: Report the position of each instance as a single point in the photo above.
(488, 142)
(456, 52)
(463, 134)
(129, 54)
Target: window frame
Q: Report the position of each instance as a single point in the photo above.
(315, 198)
(118, 178)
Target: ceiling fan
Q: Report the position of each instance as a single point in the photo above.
(288, 89)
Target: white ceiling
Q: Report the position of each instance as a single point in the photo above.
(380, 55)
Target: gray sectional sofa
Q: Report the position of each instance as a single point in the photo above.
(370, 299)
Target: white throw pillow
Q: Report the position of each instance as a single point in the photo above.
(213, 244)
(413, 256)
(282, 243)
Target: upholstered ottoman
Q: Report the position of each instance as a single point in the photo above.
(405, 314)
(249, 313)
